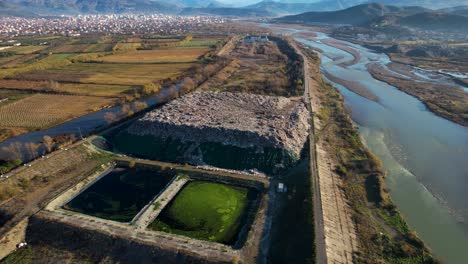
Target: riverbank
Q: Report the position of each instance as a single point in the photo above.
(443, 100)
(382, 234)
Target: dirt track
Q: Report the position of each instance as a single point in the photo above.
(335, 232)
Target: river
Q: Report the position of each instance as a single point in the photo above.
(426, 156)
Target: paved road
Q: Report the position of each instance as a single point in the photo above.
(320, 246)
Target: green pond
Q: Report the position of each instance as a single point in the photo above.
(208, 211)
(268, 160)
(121, 194)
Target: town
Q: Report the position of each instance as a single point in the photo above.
(112, 24)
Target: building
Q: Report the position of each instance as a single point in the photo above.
(281, 188)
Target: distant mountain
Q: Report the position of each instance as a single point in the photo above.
(227, 11)
(357, 15)
(8, 9)
(48, 7)
(281, 9)
(458, 10)
(436, 21)
(333, 5)
(199, 3)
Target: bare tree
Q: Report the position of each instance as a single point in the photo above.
(48, 143)
(126, 110)
(53, 86)
(32, 148)
(110, 117)
(187, 85)
(14, 151)
(139, 106)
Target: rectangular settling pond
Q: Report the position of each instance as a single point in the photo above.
(121, 194)
(208, 211)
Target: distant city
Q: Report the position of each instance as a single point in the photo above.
(115, 24)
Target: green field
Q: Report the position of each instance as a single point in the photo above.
(206, 211)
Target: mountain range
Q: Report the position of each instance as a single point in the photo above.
(266, 8)
(377, 15)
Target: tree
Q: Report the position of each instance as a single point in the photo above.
(151, 88)
(32, 148)
(48, 143)
(53, 85)
(139, 106)
(110, 117)
(14, 151)
(187, 85)
(126, 110)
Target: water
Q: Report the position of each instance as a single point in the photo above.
(426, 156)
(81, 126)
(121, 194)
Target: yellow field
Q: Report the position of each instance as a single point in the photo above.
(124, 74)
(126, 46)
(157, 56)
(46, 110)
(26, 49)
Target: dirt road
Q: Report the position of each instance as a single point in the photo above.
(335, 235)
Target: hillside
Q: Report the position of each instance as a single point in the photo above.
(436, 22)
(357, 15)
(278, 8)
(227, 11)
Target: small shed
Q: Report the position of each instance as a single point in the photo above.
(281, 188)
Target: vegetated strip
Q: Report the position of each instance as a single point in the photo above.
(354, 86)
(383, 235)
(446, 101)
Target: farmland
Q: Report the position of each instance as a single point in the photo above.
(59, 78)
(157, 56)
(41, 111)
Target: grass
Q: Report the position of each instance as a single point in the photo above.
(76, 163)
(200, 43)
(27, 49)
(9, 58)
(157, 56)
(206, 211)
(41, 111)
(99, 47)
(70, 48)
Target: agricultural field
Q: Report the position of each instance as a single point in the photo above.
(71, 48)
(26, 49)
(99, 47)
(108, 90)
(83, 74)
(206, 211)
(40, 111)
(119, 74)
(8, 59)
(157, 56)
